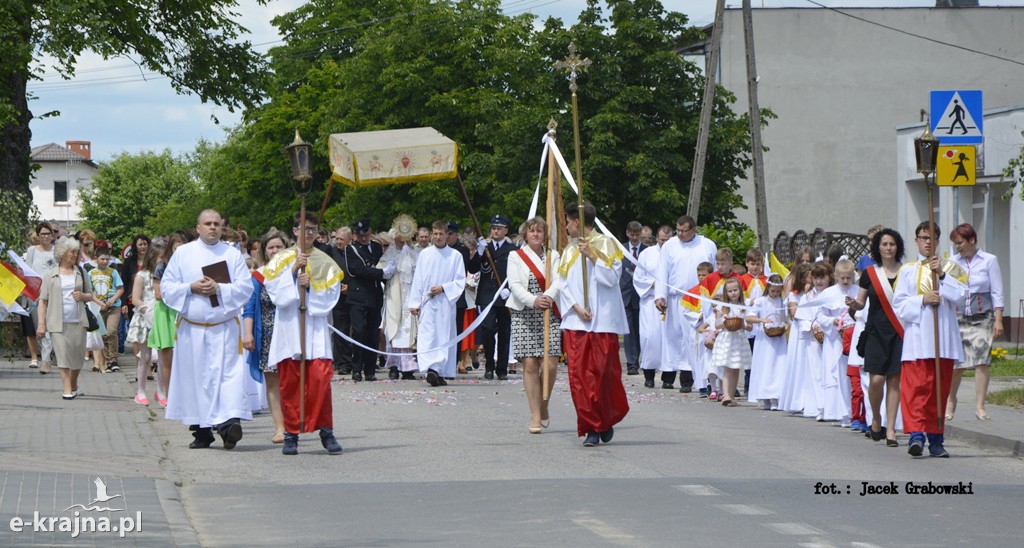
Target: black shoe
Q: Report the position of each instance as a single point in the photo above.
(502, 377)
(370, 377)
(606, 436)
(489, 375)
(433, 379)
(329, 442)
(879, 435)
(408, 376)
(203, 438)
(591, 440)
(476, 365)
(393, 374)
(231, 434)
(291, 444)
(686, 389)
(649, 383)
(632, 370)
(667, 385)
(357, 376)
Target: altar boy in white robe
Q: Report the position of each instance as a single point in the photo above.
(314, 272)
(437, 285)
(207, 386)
(591, 326)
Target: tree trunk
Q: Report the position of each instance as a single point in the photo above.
(16, 139)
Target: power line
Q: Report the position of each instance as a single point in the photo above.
(919, 36)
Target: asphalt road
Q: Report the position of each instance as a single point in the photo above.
(455, 466)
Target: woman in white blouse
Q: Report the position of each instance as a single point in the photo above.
(982, 318)
(533, 290)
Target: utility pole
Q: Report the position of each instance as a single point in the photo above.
(708, 105)
(760, 199)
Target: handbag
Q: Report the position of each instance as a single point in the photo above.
(862, 343)
(94, 322)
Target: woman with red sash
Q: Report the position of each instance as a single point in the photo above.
(532, 276)
(882, 338)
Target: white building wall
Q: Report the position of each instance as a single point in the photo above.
(78, 176)
(840, 87)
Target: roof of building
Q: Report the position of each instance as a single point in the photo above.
(52, 152)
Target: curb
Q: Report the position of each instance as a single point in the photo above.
(986, 441)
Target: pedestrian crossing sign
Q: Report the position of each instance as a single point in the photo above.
(956, 165)
(957, 117)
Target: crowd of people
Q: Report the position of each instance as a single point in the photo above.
(831, 340)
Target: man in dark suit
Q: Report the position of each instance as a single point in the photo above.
(498, 323)
(460, 305)
(630, 298)
(365, 298)
(341, 348)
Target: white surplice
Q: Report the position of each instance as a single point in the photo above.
(284, 292)
(651, 325)
(834, 382)
(209, 370)
(908, 303)
(677, 272)
(443, 267)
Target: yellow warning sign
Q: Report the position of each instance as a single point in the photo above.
(956, 165)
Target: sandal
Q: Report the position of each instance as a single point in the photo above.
(729, 403)
(983, 416)
(713, 396)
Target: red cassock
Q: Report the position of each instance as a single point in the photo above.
(595, 380)
(319, 373)
(917, 394)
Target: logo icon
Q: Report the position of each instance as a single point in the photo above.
(101, 496)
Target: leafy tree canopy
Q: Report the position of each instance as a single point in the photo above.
(195, 43)
(136, 193)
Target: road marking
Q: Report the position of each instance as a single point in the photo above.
(606, 531)
(821, 543)
(793, 529)
(743, 509)
(699, 490)
(864, 545)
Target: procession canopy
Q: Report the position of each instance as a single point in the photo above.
(394, 156)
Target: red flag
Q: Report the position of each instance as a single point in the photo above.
(24, 272)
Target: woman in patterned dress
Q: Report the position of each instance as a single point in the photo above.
(258, 325)
(533, 288)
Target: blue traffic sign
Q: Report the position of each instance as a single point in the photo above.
(957, 117)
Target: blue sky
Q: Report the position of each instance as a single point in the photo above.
(109, 104)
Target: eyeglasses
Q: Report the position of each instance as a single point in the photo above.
(46, 233)
(310, 229)
(924, 238)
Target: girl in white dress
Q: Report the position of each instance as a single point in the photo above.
(731, 351)
(768, 363)
(144, 298)
(796, 376)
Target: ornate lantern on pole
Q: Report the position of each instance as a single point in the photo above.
(300, 152)
(926, 153)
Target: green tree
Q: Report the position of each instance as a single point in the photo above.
(486, 80)
(1014, 173)
(194, 43)
(129, 193)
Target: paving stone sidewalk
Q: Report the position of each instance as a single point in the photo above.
(58, 458)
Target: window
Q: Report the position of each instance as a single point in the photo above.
(60, 192)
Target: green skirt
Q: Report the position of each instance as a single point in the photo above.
(164, 328)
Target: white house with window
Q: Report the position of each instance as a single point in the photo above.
(63, 172)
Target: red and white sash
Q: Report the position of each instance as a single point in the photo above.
(541, 280)
(884, 292)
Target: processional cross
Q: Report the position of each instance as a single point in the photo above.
(574, 65)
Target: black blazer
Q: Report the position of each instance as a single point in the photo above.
(461, 248)
(488, 285)
(630, 298)
(364, 280)
(339, 258)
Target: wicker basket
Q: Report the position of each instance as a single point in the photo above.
(733, 323)
(776, 328)
(819, 335)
